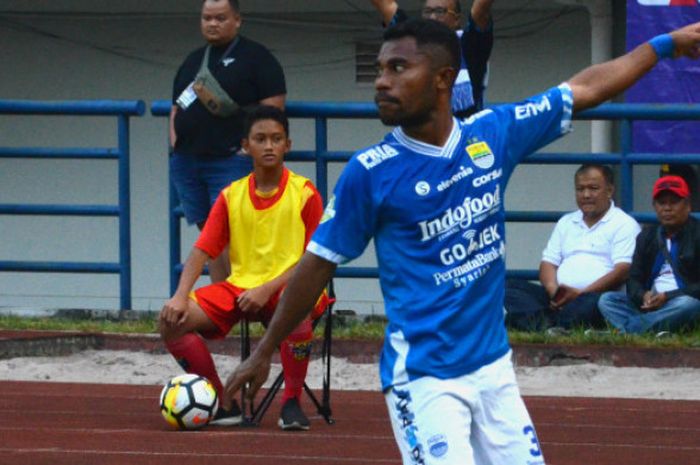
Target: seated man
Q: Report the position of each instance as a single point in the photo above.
(663, 289)
(588, 253)
(267, 219)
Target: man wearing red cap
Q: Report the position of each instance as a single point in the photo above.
(663, 289)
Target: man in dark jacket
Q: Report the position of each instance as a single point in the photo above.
(663, 289)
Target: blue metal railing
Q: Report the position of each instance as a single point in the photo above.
(122, 110)
(322, 112)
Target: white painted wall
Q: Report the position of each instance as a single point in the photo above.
(56, 50)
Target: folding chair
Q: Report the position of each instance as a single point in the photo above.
(256, 413)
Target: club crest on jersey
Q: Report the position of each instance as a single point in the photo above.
(481, 154)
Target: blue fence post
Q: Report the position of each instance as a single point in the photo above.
(626, 167)
(175, 236)
(321, 160)
(124, 215)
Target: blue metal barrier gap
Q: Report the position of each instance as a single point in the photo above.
(322, 112)
(122, 110)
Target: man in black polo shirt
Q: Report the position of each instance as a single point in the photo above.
(212, 88)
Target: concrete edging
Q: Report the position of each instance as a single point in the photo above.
(55, 343)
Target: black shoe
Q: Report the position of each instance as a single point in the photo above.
(230, 417)
(292, 418)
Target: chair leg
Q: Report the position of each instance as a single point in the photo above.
(252, 415)
(246, 409)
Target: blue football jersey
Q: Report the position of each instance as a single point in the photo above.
(437, 218)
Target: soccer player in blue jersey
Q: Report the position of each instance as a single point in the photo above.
(431, 196)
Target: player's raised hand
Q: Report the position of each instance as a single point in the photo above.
(253, 372)
(686, 41)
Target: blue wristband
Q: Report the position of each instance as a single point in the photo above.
(663, 45)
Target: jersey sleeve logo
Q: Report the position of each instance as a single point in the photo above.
(329, 211)
(374, 156)
(481, 154)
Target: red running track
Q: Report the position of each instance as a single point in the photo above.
(66, 423)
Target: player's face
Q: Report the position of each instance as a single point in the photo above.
(671, 210)
(405, 84)
(267, 143)
(443, 11)
(593, 194)
(219, 22)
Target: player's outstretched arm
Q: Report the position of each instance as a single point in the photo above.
(308, 281)
(481, 13)
(386, 8)
(598, 83)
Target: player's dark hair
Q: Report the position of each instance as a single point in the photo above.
(234, 5)
(429, 33)
(455, 3)
(263, 112)
(605, 170)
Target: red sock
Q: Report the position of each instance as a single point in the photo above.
(193, 355)
(295, 352)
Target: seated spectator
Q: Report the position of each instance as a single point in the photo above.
(588, 253)
(267, 219)
(663, 289)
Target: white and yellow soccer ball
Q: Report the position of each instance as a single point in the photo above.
(188, 401)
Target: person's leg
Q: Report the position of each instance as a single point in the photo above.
(188, 347)
(674, 315)
(211, 312)
(191, 189)
(525, 304)
(295, 352)
(502, 431)
(618, 312)
(582, 311)
(431, 420)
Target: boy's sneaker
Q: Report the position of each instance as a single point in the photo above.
(292, 418)
(230, 417)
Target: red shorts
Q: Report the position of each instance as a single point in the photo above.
(219, 303)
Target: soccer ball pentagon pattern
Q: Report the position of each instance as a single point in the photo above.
(188, 401)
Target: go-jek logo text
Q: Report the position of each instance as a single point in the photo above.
(461, 216)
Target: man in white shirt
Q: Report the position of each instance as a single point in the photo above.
(588, 253)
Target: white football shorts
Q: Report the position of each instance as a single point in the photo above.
(476, 419)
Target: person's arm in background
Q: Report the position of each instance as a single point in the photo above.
(308, 281)
(275, 101)
(171, 123)
(481, 14)
(477, 44)
(599, 83)
(386, 8)
(610, 281)
(548, 277)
